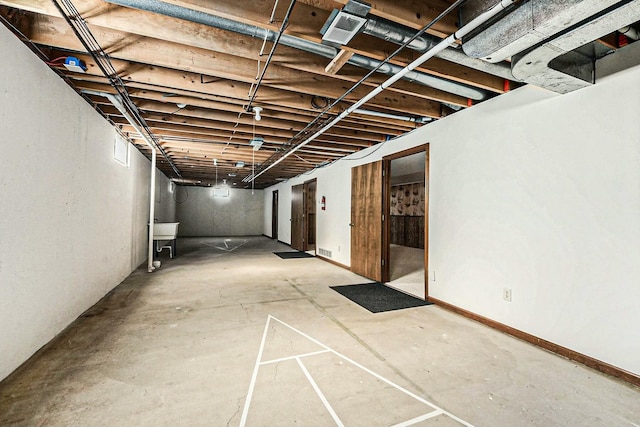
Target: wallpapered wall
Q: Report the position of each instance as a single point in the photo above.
(407, 199)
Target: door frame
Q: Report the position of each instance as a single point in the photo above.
(386, 208)
(306, 225)
(274, 214)
(297, 217)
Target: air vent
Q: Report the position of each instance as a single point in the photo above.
(343, 27)
(324, 252)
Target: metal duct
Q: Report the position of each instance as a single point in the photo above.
(556, 65)
(530, 23)
(399, 34)
(297, 43)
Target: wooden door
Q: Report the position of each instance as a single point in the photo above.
(297, 217)
(366, 220)
(274, 215)
(310, 210)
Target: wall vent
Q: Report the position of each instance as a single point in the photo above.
(324, 252)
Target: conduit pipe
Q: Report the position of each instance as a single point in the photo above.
(453, 38)
(117, 102)
(320, 49)
(393, 116)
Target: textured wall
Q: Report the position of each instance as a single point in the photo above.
(201, 214)
(73, 222)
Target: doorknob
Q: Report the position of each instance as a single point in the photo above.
(351, 224)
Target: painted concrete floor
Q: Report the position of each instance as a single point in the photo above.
(228, 334)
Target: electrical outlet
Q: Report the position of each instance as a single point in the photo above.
(506, 294)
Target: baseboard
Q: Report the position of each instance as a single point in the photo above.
(589, 361)
(330, 261)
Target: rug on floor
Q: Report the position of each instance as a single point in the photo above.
(377, 297)
(297, 254)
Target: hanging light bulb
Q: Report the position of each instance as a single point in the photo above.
(257, 111)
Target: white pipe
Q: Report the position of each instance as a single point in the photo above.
(117, 102)
(630, 32)
(152, 206)
(449, 41)
(392, 116)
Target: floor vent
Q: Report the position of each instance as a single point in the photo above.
(324, 252)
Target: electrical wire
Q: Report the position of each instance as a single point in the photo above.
(316, 122)
(304, 160)
(284, 24)
(56, 62)
(80, 28)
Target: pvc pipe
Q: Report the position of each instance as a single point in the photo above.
(472, 25)
(630, 32)
(393, 116)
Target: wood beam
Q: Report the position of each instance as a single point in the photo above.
(55, 32)
(338, 62)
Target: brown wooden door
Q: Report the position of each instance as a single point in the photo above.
(366, 220)
(297, 217)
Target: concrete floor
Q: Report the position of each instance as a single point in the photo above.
(228, 334)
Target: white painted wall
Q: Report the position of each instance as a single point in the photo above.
(535, 192)
(201, 214)
(73, 221)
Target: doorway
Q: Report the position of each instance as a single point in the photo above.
(303, 216)
(274, 215)
(406, 231)
(310, 210)
(297, 217)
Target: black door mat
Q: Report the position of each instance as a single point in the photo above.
(289, 255)
(377, 297)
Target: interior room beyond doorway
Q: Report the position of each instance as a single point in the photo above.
(407, 213)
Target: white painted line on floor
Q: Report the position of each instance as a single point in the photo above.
(320, 394)
(226, 247)
(392, 384)
(252, 385)
(353, 362)
(282, 359)
(419, 419)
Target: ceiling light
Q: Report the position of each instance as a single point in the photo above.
(239, 164)
(215, 162)
(257, 110)
(232, 174)
(181, 106)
